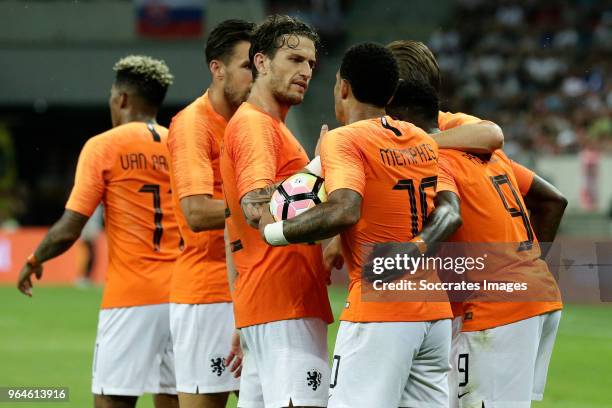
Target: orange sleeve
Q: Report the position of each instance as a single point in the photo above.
(449, 120)
(524, 177)
(446, 181)
(89, 182)
(190, 151)
(342, 162)
(253, 148)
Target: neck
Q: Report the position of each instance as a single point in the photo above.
(138, 116)
(262, 97)
(361, 111)
(417, 119)
(219, 102)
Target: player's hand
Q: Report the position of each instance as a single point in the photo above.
(24, 283)
(234, 359)
(332, 254)
(265, 219)
(324, 130)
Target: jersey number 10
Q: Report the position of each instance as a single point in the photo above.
(408, 184)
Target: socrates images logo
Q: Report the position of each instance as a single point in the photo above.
(5, 255)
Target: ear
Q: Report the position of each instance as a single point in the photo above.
(123, 100)
(217, 69)
(345, 88)
(261, 64)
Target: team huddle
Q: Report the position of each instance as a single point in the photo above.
(207, 294)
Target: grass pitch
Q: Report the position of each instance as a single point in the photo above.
(48, 341)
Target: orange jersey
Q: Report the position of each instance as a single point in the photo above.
(194, 142)
(493, 211)
(273, 283)
(127, 169)
(393, 166)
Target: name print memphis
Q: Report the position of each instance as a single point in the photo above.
(410, 155)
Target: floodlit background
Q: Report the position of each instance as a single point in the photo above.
(539, 68)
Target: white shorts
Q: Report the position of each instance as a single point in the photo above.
(505, 367)
(391, 364)
(133, 353)
(202, 336)
(285, 360)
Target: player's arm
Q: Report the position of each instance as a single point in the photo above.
(203, 213)
(58, 240)
(341, 211)
(546, 205)
(89, 185)
(544, 201)
(444, 220)
(229, 262)
(255, 202)
(477, 137)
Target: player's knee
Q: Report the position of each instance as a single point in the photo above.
(165, 401)
(114, 401)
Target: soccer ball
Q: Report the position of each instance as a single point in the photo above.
(297, 194)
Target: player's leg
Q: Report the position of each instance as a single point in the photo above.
(427, 385)
(202, 338)
(110, 401)
(498, 365)
(165, 401)
(127, 344)
(372, 363)
(549, 325)
(291, 360)
(188, 400)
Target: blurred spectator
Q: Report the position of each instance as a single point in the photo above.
(539, 68)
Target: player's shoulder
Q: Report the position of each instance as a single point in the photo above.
(249, 113)
(198, 113)
(249, 118)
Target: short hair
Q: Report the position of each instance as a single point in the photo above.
(414, 97)
(416, 62)
(273, 33)
(372, 72)
(149, 77)
(223, 38)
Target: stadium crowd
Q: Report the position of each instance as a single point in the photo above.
(539, 68)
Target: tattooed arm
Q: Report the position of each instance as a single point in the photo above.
(254, 202)
(341, 211)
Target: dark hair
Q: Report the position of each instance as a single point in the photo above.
(416, 62)
(414, 98)
(272, 34)
(372, 72)
(148, 77)
(225, 36)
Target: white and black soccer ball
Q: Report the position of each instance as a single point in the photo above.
(297, 194)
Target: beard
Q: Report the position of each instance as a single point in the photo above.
(234, 97)
(282, 92)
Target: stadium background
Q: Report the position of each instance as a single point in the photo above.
(540, 69)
